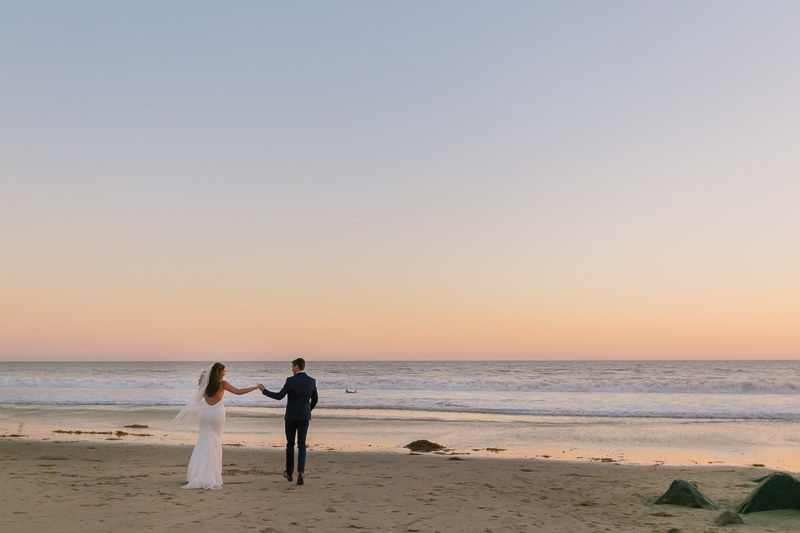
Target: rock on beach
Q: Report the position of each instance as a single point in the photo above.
(687, 494)
(778, 490)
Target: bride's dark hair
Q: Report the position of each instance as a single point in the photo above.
(214, 379)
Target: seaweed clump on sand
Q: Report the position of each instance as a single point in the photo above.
(79, 432)
(423, 445)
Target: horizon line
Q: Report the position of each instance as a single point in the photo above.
(366, 360)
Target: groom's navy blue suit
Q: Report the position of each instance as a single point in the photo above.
(302, 392)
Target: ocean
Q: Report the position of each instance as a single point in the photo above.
(631, 389)
(645, 412)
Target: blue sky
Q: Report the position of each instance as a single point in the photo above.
(565, 179)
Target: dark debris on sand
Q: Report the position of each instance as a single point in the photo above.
(423, 446)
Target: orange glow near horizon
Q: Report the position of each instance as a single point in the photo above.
(361, 321)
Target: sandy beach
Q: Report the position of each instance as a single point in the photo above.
(103, 467)
(119, 486)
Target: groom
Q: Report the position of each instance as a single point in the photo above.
(302, 391)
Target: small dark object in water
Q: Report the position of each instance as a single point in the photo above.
(778, 490)
(686, 494)
(423, 446)
(728, 517)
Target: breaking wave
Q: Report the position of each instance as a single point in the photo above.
(639, 386)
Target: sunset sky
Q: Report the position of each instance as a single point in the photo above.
(399, 180)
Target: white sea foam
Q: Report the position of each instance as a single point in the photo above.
(624, 409)
(108, 383)
(642, 386)
(761, 390)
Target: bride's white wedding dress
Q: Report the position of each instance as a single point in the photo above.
(205, 466)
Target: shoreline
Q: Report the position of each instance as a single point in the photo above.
(629, 441)
(126, 486)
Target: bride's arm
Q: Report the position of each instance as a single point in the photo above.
(230, 388)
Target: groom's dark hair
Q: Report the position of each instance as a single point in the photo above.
(299, 363)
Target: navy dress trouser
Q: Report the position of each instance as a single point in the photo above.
(299, 428)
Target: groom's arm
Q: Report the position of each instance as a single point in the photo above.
(314, 398)
(277, 395)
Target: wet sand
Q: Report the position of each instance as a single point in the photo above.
(674, 442)
(124, 486)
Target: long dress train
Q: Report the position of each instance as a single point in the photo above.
(205, 466)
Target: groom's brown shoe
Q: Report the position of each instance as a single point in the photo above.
(287, 475)
(299, 478)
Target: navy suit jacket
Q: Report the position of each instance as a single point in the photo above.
(302, 391)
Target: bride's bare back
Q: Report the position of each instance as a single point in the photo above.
(213, 400)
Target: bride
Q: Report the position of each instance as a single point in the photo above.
(205, 466)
